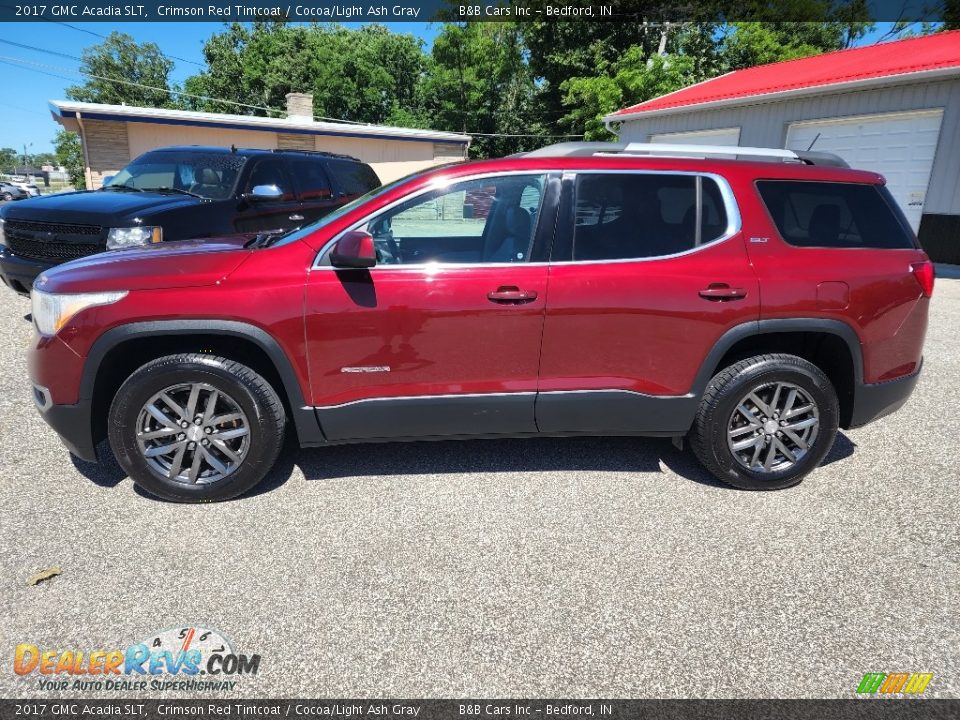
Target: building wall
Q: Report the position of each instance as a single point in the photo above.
(765, 125)
(107, 149)
(111, 145)
(389, 158)
(147, 136)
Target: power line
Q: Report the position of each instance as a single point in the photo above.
(96, 34)
(14, 61)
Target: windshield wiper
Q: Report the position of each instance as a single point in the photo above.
(174, 190)
(130, 188)
(265, 239)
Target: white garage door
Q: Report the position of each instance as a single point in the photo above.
(900, 146)
(720, 136)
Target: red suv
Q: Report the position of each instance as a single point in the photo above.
(752, 307)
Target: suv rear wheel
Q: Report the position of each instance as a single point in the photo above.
(196, 428)
(765, 422)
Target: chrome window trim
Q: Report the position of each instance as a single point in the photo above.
(734, 220)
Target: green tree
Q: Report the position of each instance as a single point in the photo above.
(9, 158)
(560, 51)
(365, 75)
(635, 78)
(120, 70)
(69, 153)
(40, 159)
(478, 82)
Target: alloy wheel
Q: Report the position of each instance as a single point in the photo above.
(773, 427)
(193, 433)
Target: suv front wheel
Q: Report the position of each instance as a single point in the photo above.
(196, 428)
(765, 422)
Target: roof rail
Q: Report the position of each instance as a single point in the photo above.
(321, 153)
(588, 149)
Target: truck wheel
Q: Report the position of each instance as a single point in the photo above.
(196, 428)
(765, 422)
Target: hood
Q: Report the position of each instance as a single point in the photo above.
(185, 263)
(95, 207)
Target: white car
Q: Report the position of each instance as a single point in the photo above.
(31, 189)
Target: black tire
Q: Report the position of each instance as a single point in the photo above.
(709, 435)
(234, 383)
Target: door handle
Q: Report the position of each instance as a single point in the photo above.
(296, 217)
(719, 292)
(511, 295)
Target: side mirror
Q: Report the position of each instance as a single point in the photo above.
(264, 193)
(354, 250)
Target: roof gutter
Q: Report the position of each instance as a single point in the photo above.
(862, 84)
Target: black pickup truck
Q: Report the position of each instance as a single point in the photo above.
(178, 193)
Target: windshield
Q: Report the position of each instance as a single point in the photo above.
(350, 206)
(207, 175)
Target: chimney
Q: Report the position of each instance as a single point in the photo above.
(299, 106)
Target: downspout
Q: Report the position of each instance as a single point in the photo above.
(607, 125)
(87, 171)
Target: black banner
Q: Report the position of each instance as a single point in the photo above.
(470, 10)
(473, 709)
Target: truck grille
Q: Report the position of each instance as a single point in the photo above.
(56, 242)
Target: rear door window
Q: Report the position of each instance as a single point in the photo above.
(835, 215)
(353, 178)
(624, 216)
(311, 178)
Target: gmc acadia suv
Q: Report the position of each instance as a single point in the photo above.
(752, 307)
(177, 193)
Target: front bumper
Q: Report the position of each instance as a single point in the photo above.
(19, 273)
(872, 402)
(73, 423)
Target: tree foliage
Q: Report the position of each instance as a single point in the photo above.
(69, 153)
(501, 82)
(8, 159)
(364, 75)
(478, 82)
(121, 71)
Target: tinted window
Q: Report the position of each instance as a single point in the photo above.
(476, 221)
(311, 178)
(353, 178)
(841, 215)
(271, 171)
(633, 215)
(211, 175)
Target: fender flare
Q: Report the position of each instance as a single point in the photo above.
(305, 420)
(786, 325)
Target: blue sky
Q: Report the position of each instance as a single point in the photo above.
(26, 89)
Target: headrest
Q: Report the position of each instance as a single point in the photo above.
(207, 176)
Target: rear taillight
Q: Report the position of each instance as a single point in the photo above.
(924, 273)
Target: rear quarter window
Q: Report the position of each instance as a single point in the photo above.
(353, 178)
(835, 215)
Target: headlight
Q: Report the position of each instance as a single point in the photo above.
(133, 236)
(51, 311)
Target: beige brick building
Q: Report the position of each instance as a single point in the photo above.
(112, 135)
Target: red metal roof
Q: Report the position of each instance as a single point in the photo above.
(932, 52)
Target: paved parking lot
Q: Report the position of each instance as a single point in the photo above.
(579, 567)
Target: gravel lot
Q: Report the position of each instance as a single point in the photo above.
(583, 567)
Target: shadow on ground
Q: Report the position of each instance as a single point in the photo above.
(337, 462)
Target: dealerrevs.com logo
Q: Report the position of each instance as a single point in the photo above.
(183, 658)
